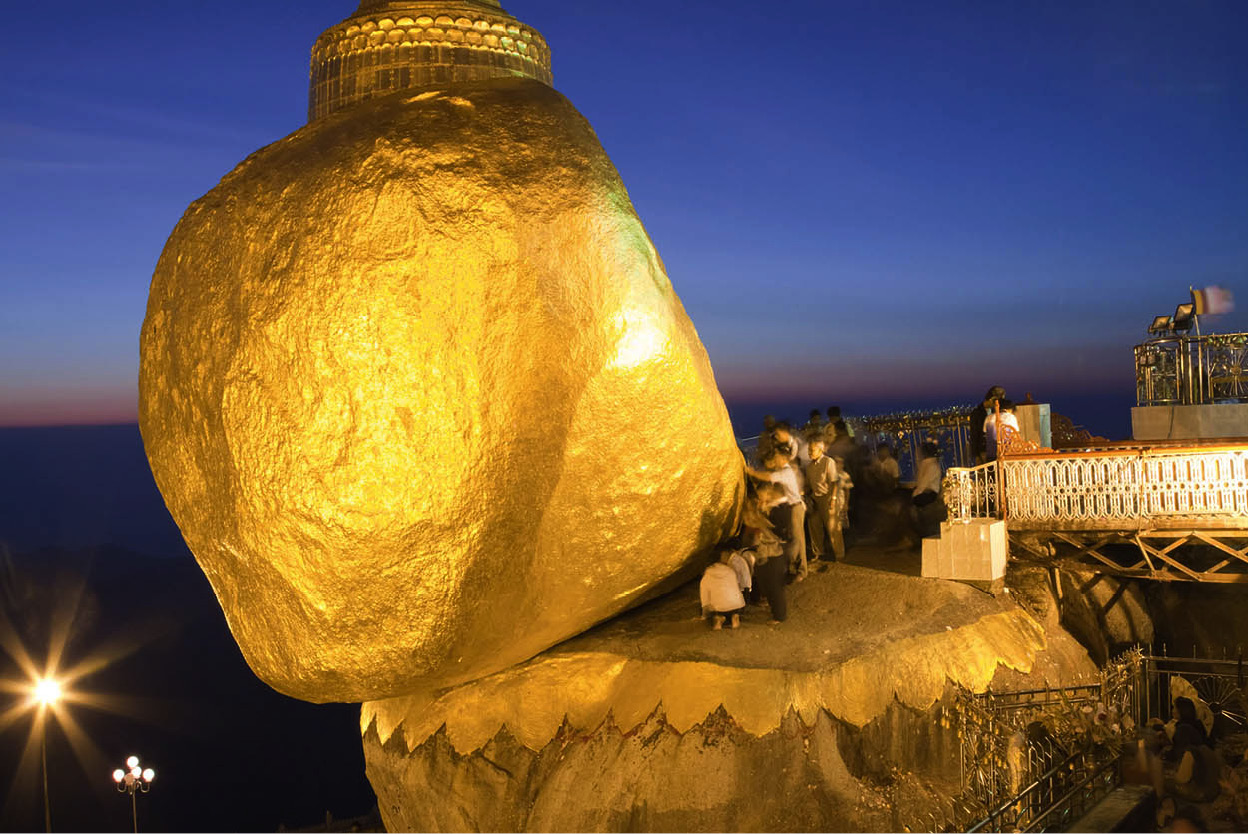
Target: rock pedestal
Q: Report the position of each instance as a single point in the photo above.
(829, 721)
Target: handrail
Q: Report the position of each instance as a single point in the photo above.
(1038, 784)
(1125, 489)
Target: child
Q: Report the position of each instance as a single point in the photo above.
(721, 592)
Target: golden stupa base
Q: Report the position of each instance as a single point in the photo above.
(655, 722)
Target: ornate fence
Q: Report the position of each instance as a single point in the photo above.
(1036, 760)
(971, 492)
(1191, 370)
(1120, 489)
(906, 432)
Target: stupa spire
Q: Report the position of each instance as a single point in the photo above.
(390, 45)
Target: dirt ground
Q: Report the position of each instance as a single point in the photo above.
(840, 611)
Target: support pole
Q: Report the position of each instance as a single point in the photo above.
(47, 805)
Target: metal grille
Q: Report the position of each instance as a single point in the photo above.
(1192, 370)
(1037, 760)
(971, 493)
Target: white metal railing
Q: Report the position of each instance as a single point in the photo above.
(971, 492)
(1122, 489)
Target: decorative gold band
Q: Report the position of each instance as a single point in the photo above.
(371, 55)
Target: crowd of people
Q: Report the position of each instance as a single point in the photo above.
(801, 503)
(1177, 758)
(808, 487)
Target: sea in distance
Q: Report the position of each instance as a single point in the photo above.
(75, 486)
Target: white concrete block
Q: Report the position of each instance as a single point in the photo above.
(931, 558)
(977, 550)
(944, 557)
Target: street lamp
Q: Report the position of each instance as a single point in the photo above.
(132, 780)
(47, 693)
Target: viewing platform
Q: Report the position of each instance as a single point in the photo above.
(1166, 511)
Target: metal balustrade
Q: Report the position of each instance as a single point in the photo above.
(1192, 370)
(1121, 489)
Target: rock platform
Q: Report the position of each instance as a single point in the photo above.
(652, 721)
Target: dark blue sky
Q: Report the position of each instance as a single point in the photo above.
(855, 200)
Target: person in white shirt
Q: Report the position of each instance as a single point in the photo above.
(927, 476)
(929, 511)
(823, 522)
(790, 524)
(720, 592)
(742, 561)
(993, 424)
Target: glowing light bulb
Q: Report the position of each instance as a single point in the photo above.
(132, 762)
(136, 771)
(47, 691)
(118, 775)
(149, 775)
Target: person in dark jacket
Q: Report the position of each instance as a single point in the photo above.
(979, 444)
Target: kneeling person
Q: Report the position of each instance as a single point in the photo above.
(721, 592)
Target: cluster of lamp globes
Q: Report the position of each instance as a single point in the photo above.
(136, 778)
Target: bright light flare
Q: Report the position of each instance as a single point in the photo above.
(47, 691)
(118, 775)
(132, 762)
(149, 775)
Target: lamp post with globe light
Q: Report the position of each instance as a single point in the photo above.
(133, 780)
(47, 692)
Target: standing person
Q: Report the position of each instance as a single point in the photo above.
(885, 471)
(761, 536)
(814, 425)
(996, 423)
(929, 510)
(822, 480)
(787, 437)
(834, 417)
(790, 517)
(979, 448)
(840, 506)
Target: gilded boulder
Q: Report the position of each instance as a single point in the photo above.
(417, 390)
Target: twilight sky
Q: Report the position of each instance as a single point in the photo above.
(856, 201)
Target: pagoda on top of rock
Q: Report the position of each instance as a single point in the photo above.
(389, 46)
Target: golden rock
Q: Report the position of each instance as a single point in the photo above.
(419, 394)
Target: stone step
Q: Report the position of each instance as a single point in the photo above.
(1126, 808)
